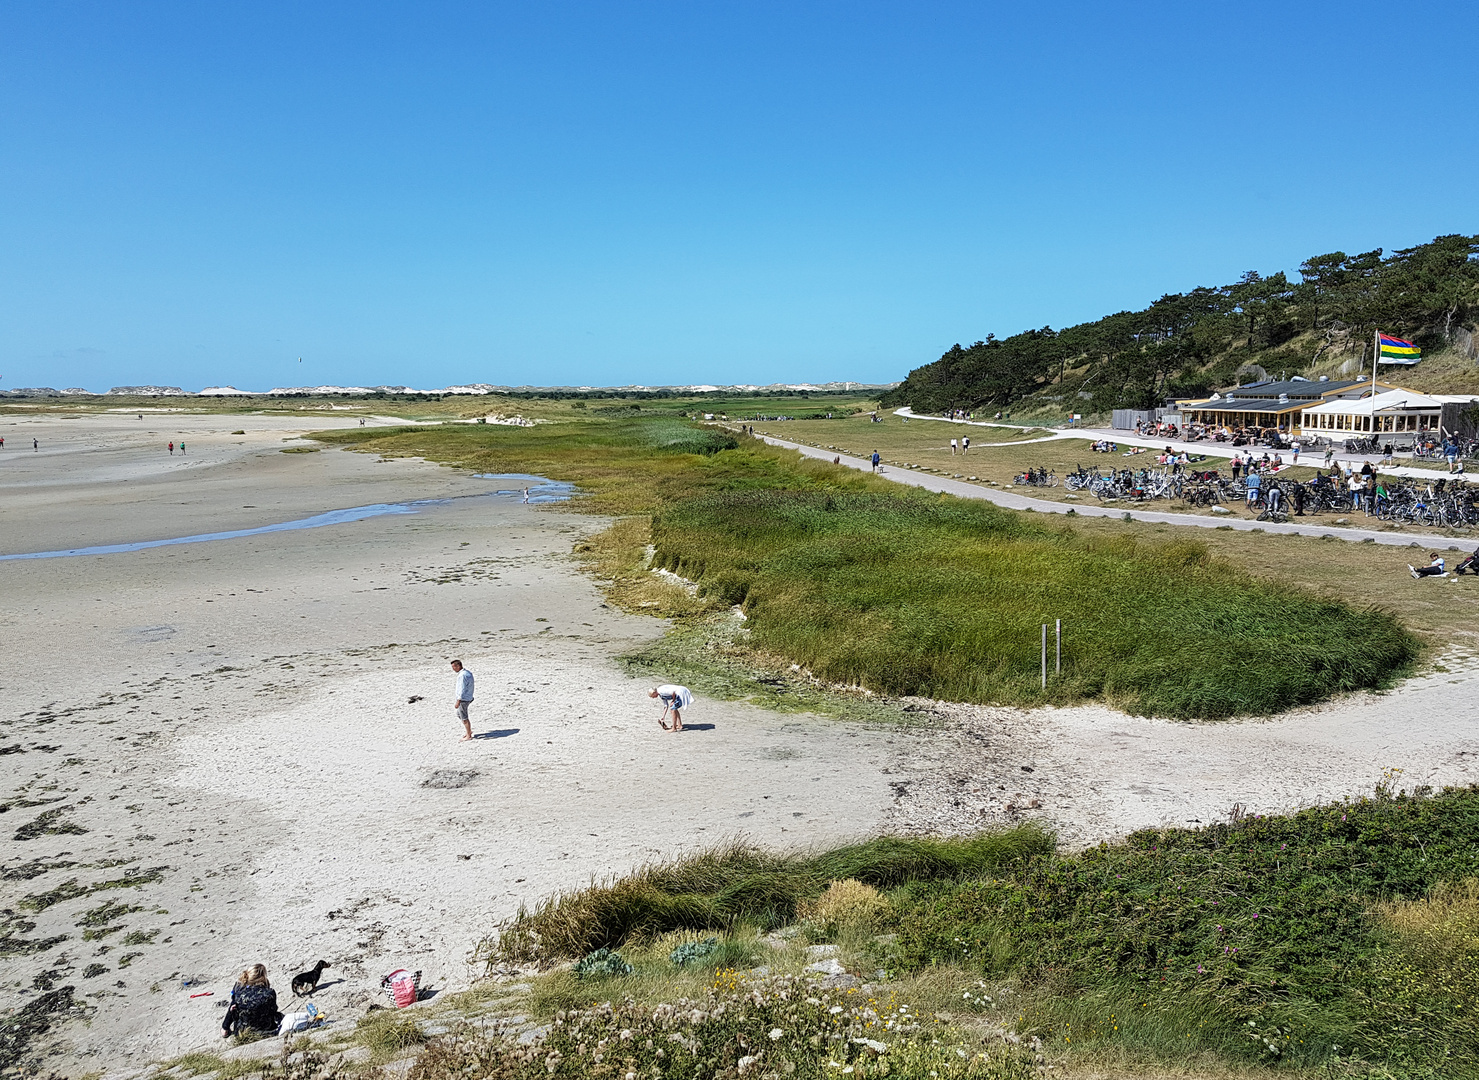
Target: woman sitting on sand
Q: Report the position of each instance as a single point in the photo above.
(674, 699)
(253, 1008)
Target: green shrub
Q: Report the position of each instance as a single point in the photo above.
(602, 964)
(1260, 927)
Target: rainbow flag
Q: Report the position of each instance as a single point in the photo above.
(1396, 351)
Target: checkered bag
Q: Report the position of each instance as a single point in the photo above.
(402, 986)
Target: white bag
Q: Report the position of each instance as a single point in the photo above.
(300, 1021)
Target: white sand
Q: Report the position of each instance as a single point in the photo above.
(236, 712)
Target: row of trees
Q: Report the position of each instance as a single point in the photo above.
(1187, 343)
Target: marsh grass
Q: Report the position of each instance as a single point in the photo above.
(944, 598)
(711, 654)
(916, 594)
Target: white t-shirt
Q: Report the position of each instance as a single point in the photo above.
(674, 697)
(464, 685)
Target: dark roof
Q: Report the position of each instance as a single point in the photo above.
(1271, 405)
(1295, 388)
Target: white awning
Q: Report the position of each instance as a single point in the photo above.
(1391, 401)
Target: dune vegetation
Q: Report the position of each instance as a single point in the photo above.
(1340, 939)
(911, 593)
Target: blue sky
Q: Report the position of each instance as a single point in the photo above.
(606, 193)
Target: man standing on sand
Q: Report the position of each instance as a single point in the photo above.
(463, 698)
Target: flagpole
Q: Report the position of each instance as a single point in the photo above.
(1375, 359)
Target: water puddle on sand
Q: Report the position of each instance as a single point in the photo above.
(531, 489)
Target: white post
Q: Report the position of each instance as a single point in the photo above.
(1058, 625)
(1044, 656)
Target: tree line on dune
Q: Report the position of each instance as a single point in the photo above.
(1191, 343)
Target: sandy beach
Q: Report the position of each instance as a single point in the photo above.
(211, 754)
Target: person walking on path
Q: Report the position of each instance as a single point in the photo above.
(965, 446)
(1329, 455)
(952, 447)
(674, 700)
(876, 460)
(1294, 446)
(463, 698)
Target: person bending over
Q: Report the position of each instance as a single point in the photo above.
(674, 700)
(253, 1008)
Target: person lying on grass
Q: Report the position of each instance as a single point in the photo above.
(1433, 569)
(674, 699)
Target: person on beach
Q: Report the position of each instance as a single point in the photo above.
(171, 449)
(463, 699)
(35, 444)
(182, 448)
(674, 700)
(876, 460)
(253, 1005)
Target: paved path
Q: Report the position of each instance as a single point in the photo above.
(1013, 501)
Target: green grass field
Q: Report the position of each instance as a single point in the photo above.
(904, 592)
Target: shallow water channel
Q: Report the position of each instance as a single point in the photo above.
(532, 489)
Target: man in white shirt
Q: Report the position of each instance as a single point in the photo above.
(463, 698)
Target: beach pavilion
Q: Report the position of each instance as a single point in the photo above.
(1395, 411)
(1272, 405)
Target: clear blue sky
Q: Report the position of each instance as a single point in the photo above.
(606, 193)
